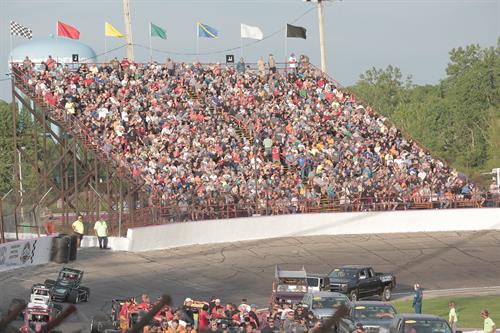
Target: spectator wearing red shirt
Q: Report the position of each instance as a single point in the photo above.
(204, 318)
(146, 303)
(50, 63)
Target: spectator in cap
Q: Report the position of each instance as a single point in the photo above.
(253, 314)
(417, 298)
(489, 324)
(187, 311)
(217, 307)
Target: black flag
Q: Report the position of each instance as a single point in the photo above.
(293, 31)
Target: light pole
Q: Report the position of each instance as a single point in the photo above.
(321, 36)
(321, 33)
(128, 30)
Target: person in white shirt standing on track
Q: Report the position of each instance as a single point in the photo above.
(101, 231)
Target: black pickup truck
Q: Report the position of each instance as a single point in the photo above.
(361, 281)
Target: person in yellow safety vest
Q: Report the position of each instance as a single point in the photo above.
(78, 229)
(101, 231)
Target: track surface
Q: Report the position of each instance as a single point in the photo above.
(245, 269)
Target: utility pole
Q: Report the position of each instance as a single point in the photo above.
(322, 36)
(128, 30)
(321, 33)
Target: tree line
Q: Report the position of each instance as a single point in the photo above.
(457, 119)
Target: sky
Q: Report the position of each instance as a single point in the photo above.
(414, 35)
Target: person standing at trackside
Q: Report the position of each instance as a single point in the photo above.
(240, 66)
(78, 229)
(489, 324)
(452, 317)
(101, 231)
(418, 298)
(272, 64)
(261, 65)
(292, 63)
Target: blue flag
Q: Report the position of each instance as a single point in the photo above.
(206, 31)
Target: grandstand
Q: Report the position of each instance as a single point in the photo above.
(210, 142)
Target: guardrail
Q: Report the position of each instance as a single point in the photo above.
(155, 215)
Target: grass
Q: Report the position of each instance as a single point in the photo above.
(468, 308)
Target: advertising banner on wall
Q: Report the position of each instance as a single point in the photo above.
(27, 252)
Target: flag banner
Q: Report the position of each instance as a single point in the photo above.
(293, 31)
(20, 30)
(247, 31)
(207, 31)
(157, 31)
(111, 31)
(65, 30)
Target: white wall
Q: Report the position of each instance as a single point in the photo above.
(242, 229)
(114, 243)
(29, 252)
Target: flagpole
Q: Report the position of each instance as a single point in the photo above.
(105, 44)
(10, 47)
(241, 46)
(286, 46)
(197, 41)
(150, 47)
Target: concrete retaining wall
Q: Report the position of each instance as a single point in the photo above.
(253, 228)
(26, 252)
(114, 243)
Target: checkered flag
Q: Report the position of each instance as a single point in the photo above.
(20, 30)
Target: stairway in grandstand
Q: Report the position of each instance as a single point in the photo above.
(85, 143)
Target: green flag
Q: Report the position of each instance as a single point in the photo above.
(156, 31)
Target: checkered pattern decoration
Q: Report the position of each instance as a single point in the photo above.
(20, 30)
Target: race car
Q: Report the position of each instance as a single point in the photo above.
(40, 297)
(36, 318)
(67, 287)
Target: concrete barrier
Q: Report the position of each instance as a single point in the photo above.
(253, 228)
(25, 252)
(114, 243)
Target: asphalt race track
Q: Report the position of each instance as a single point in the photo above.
(233, 271)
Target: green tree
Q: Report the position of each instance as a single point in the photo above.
(457, 119)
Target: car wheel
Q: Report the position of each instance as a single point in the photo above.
(73, 296)
(57, 309)
(49, 283)
(387, 294)
(86, 295)
(353, 295)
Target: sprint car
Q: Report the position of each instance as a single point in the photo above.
(67, 287)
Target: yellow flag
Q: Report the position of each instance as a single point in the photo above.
(111, 31)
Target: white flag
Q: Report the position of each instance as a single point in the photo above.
(247, 31)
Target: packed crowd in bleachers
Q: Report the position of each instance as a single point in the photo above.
(200, 135)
